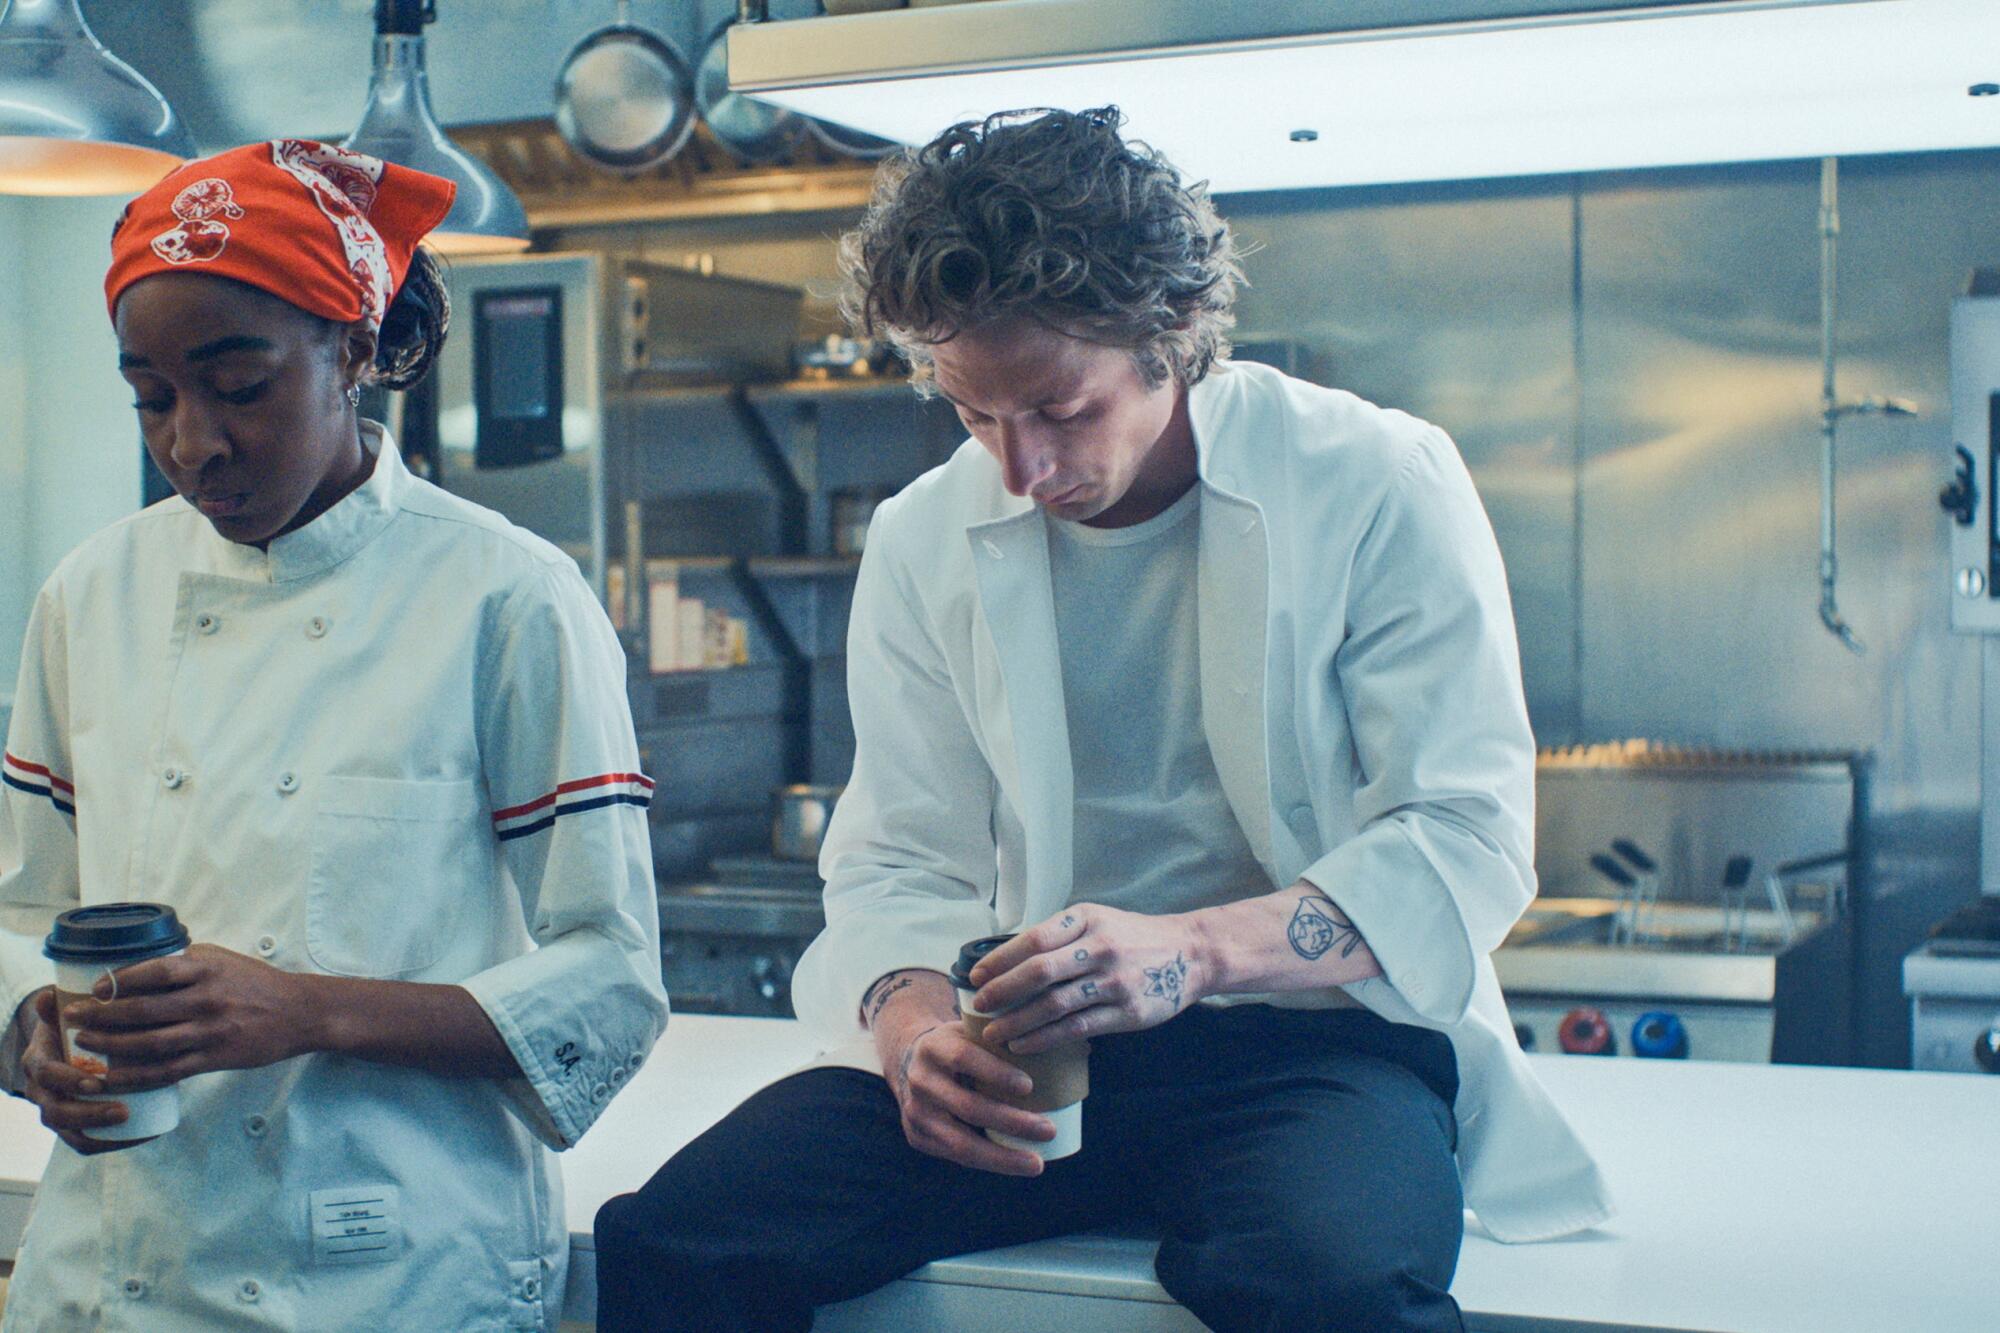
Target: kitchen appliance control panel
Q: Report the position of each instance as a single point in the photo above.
(1969, 496)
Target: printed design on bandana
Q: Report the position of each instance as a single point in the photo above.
(36, 780)
(344, 185)
(199, 238)
(573, 798)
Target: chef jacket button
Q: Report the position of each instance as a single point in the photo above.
(266, 945)
(288, 783)
(248, 1291)
(600, 1092)
(173, 777)
(255, 1125)
(134, 1288)
(531, 1288)
(316, 628)
(207, 623)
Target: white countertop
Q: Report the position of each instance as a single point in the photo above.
(1753, 1198)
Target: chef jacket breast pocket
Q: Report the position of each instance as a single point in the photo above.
(396, 864)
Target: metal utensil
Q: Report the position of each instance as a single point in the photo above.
(799, 815)
(755, 131)
(624, 98)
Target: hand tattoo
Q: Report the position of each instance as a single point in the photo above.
(1089, 990)
(903, 1069)
(1068, 921)
(1317, 927)
(1083, 955)
(1168, 982)
(879, 994)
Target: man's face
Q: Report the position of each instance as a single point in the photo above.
(1070, 422)
(241, 400)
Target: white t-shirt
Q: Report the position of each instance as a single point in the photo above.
(1154, 832)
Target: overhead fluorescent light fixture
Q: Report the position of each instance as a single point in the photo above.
(1287, 94)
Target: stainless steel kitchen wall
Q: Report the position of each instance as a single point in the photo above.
(1630, 364)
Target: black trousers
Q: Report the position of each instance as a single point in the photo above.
(1298, 1164)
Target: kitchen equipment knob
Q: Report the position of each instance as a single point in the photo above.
(1986, 1050)
(1961, 498)
(1586, 1032)
(773, 978)
(1660, 1036)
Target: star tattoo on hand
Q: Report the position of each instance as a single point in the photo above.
(1318, 927)
(1168, 981)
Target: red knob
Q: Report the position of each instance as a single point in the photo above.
(1587, 1032)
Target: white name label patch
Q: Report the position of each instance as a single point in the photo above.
(356, 1225)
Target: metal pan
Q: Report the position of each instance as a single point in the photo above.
(755, 131)
(625, 96)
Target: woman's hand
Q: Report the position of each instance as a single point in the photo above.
(194, 1013)
(948, 1086)
(1087, 971)
(56, 1087)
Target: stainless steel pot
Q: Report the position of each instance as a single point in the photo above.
(798, 820)
(625, 96)
(755, 131)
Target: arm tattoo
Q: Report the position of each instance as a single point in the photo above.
(1318, 927)
(1168, 981)
(878, 995)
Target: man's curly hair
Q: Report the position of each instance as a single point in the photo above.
(1049, 215)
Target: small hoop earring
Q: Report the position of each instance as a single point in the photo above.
(354, 395)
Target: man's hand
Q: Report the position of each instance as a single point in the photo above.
(1087, 971)
(56, 1087)
(949, 1087)
(197, 1012)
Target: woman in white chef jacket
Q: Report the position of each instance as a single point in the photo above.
(371, 742)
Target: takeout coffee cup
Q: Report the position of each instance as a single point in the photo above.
(86, 944)
(1061, 1076)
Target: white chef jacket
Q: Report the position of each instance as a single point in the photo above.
(396, 744)
(1361, 695)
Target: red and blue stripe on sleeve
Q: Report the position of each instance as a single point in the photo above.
(572, 798)
(36, 780)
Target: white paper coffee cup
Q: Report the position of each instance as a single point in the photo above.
(149, 1114)
(1043, 1068)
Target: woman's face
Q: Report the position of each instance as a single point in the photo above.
(242, 398)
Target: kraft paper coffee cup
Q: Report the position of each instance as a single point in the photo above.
(87, 943)
(1061, 1076)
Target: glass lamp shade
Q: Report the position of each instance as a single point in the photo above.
(398, 126)
(75, 119)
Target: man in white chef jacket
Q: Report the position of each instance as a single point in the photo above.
(1204, 680)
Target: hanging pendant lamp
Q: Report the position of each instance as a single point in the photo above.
(75, 119)
(399, 126)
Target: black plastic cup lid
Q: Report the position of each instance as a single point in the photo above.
(969, 956)
(115, 933)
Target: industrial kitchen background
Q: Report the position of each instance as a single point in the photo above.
(1631, 364)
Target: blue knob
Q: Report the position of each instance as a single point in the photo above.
(1659, 1035)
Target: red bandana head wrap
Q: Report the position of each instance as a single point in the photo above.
(330, 231)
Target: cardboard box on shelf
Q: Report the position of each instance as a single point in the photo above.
(662, 619)
(691, 635)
